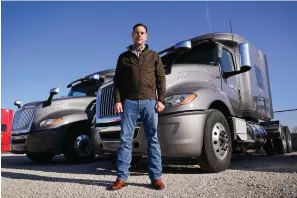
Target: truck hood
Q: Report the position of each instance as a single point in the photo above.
(61, 107)
(54, 101)
(186, 77)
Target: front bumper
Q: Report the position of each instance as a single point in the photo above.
(180, 135)
(49, 141)
(106, 139)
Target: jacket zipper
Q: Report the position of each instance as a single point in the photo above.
(139, 75)
(138, 72)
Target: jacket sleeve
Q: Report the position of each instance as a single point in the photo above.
(116, 80)
(160, 79)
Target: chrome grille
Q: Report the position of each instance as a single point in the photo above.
(23, 118)
(107, 101)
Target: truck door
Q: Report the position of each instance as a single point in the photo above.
(230, 85)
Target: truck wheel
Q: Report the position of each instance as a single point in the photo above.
(268, 148)
(40, 157)
(280, 145)
(78, 147)
(289, 142)
(217, 143)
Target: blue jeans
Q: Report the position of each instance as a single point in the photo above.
(148, 115)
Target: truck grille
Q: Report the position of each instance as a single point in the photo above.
(115, 135)
(22, 118)
(107, 102)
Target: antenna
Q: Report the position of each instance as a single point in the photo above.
(206, 9)
(233, 43)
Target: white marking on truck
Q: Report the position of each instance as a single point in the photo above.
(181, 75)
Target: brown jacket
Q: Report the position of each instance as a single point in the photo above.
(139, 78)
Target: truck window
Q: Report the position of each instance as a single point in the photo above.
(259, 77)
(227, 61)
(83, 89)
(3, 127)
(200, 54)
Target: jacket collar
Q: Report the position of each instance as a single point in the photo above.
(132, 47)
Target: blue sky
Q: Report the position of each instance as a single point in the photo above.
(49, 44)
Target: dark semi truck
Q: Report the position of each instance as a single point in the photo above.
(47, 128)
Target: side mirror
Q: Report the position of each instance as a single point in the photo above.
(245, 62)
(54, 91)
(17, 103)
(183, 46)
(245, 55)
(175, 52)
(94, 77)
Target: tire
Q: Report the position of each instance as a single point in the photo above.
(217, 143)
(268, 148)
(280, 145)
(40, 157)
(78, 146)
(289, 142)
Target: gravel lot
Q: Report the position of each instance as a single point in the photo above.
(248, 176)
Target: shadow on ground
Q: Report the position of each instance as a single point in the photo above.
(102, 183)
(103, 166)
(278, 163)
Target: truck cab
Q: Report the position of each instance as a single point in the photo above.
(218, 101)
(43, 129)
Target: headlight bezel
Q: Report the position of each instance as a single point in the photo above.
(50, 122)
(179, 99)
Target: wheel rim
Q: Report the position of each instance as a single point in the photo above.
(289, 141)
(220, 140)
(83, 146)
(284, 141)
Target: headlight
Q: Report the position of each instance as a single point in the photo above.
(180, 99)
(50, 122)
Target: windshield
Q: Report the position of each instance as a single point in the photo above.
(200, 54)
(83, 89)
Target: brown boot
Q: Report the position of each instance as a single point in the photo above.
(158, 184)
(117, 185)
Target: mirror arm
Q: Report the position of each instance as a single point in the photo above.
(229, 74)
(233, 73)
(48, 102)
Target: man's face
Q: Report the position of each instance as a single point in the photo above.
(139, 36)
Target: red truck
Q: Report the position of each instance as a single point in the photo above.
(6, 125)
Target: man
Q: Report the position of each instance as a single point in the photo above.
(139, 75)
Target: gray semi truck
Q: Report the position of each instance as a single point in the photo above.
(218, 102)
(51, 127)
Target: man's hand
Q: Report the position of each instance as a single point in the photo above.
(118, 107)
(159, 106)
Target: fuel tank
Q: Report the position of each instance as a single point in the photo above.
(257, 132)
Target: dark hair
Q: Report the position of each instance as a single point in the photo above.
(140, 24)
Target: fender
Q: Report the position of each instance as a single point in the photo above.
(206, 96)
(67, 121)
